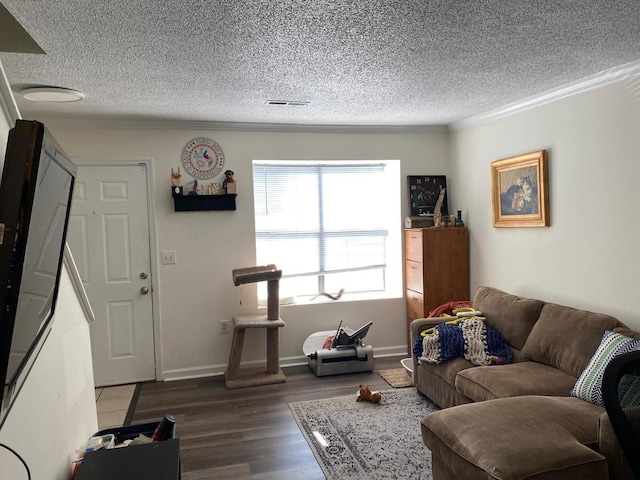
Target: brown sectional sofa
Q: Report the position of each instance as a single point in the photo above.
(518, 421)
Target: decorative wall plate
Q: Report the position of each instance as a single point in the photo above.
(202, 158)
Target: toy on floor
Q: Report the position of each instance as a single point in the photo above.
(365, 393)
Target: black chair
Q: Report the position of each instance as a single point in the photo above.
(621, 395)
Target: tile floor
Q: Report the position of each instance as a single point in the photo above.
(113, 404)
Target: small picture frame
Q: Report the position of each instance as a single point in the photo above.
(423, 191)
(519, 191)
(215, 189)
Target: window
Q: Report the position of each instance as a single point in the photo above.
(328, 226)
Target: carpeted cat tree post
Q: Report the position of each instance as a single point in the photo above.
(235, 377)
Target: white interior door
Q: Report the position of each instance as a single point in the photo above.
(109, 238)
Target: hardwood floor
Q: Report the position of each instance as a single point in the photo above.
(247, 433)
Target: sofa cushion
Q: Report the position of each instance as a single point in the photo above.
(517, 438)
(517, 379)
(442, 393)
(589, 385)
(566, 338)
(447, 371)
(511, 315)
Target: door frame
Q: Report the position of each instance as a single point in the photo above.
(153, 246)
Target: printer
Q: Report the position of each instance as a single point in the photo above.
(342, 353)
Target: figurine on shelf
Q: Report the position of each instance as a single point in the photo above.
(438, 219)
(229, 184)
(176, 177)
(192, 188)
(176, 184)
(214, 189)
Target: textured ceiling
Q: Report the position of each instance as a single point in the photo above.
(358, 62)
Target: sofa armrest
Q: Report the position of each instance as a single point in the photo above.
(610, 448)
(418, 326)
(421, 324)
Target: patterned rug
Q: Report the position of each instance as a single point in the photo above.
(396, 377)
(362, 440)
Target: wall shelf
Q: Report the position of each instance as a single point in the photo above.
(194, 203)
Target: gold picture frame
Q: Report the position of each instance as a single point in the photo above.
(519, 191)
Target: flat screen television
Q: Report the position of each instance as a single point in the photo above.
(35, 199)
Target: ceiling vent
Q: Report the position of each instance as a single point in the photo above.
(286, 103)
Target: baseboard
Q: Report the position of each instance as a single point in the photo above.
(217, 370)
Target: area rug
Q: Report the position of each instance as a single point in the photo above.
(396, 377)
(361, 440)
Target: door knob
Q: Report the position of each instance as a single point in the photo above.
(143, 276)
(144, 290)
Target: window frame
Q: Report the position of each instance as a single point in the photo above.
(392, 266)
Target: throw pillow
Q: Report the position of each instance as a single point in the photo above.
(589, 385)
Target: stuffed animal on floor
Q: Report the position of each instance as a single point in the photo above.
(365, 393)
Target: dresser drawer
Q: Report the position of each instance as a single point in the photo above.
(414, 276)
(415, 305)
(413, 245)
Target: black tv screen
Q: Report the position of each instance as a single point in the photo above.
(35, 199)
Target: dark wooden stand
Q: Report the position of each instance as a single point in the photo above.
(152, 461)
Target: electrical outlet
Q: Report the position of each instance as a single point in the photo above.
(168, 257)
(224, 326)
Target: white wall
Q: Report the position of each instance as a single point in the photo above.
(4, 133)
(198, 291)
(55, 412)
(8, 112)
(589, 257)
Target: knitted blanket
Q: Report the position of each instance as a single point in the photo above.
(470, 338)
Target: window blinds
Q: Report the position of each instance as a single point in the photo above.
(318, 219)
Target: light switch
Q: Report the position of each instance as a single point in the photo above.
(168, 257)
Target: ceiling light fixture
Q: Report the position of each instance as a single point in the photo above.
(52, 94)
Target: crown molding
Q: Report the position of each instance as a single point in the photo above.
(88, 122)
(597, 80)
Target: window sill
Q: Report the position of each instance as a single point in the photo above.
(347, 297)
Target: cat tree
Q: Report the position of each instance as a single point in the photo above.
(236, 377)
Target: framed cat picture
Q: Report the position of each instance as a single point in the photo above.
(519, 191)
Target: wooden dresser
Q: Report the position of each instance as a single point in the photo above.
(436, 269)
